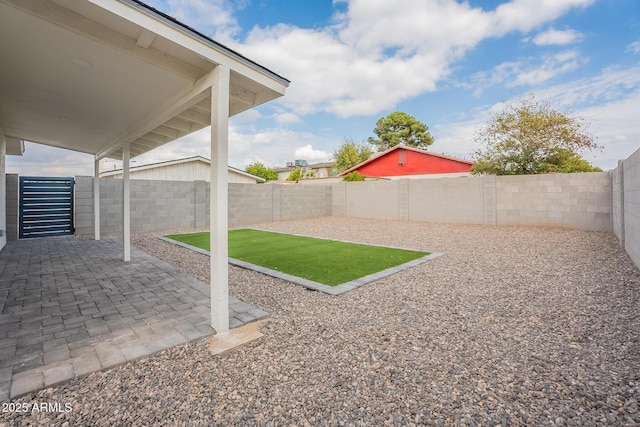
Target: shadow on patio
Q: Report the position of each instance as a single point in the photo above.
(69, 307)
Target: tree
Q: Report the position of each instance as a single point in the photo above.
(400, 128)
(258, 169)
(565, 161)
(350, 154)
(353, 177)
(294, 175)
(531, 137)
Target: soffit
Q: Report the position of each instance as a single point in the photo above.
(78, 76)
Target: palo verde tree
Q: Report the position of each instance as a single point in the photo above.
(400, 128)
(350, 154)
(532, 137)
(258, 169)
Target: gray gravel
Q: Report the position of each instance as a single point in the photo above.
(512, 326)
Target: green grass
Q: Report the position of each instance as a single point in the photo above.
(325, 261)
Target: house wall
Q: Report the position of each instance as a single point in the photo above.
(188, 171)
(3, 191)
(407, 162)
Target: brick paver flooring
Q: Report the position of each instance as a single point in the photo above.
(70, 306)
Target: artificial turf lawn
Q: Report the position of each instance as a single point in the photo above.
(325, 261)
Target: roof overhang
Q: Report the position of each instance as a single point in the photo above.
(94, 75)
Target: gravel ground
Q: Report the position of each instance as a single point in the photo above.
(512, 326)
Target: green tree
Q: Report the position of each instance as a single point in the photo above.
(295, 175)
(350, 154)
(400, 128)
(353, 177)
(531, 137)
(258, 169)
(565, 161)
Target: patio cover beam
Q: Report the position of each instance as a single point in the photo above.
(171, 109)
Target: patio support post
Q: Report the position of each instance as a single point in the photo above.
(126, 206)
(218, 217)
(96, 198)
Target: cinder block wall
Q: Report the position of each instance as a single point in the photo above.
(183, 205)
(617, 202)
(13, 190)
(579, 200)
(566, 200)
(371, 199)
(300, 201)
(83, 205)
(629, 170)
(248, 204)
(453, 200)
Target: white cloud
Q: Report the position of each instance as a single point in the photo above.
(215, 15)
(248, 116)
(526, 71)
(287, 118)
(525, 15)
(551, 67)
(608, 101)
(311, 155)
(42, 160)
(376, 54)
(634, 47)
(557, 37)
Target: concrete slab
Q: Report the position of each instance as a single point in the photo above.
(71, 307)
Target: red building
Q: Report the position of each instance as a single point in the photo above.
(403, 161)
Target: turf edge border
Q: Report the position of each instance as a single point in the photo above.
(310, 284)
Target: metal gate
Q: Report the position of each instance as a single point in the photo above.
(46, 206)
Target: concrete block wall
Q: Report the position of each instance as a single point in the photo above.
(628, 218)
(300, 201)
(249, 204)
(172, 207)
(617, 202)
(370, 199)
(565, 200)
(184, 205)
(579, 200)
(604, 201)
(452, 200)
(12, 195)
(83, 205)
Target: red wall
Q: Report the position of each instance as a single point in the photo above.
(415, 164)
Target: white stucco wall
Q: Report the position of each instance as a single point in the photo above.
(3, 191)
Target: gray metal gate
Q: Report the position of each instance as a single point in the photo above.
(46, 206)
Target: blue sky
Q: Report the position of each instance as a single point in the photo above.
(448, 63)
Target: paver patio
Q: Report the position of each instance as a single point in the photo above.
(69, 307)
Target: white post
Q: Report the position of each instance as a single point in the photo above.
(218, 225)
(96, 198)
(126, 206)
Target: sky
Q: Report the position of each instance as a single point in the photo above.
(450, 64)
